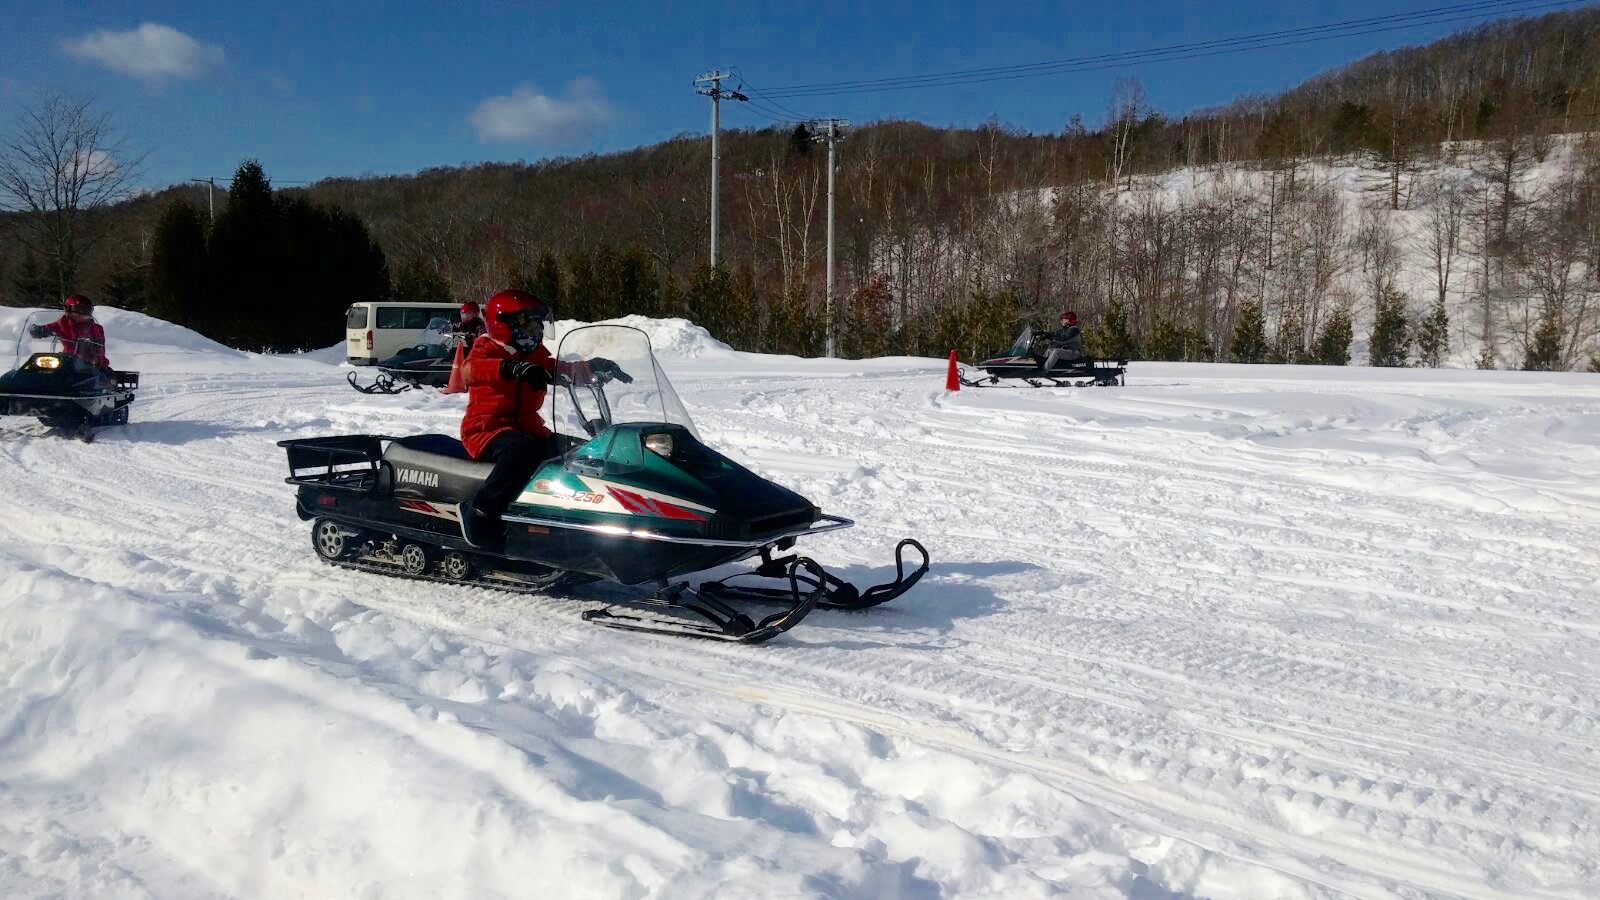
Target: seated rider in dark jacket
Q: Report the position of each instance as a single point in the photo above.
(470, 325)
(1066, 342)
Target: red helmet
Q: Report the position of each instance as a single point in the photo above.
(1070, 317)
(471, 306)
(78, 303)
(516, 318)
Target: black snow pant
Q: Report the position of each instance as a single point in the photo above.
(516, 456)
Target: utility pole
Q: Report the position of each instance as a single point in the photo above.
(832, 136)
(211, 199)
(710, 85)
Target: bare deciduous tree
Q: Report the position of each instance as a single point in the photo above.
(61, 159)
(1127, 108)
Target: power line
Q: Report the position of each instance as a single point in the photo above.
(751, 88)
(1479, 5)
(1218, 47)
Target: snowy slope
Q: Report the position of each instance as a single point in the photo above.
(1225, 632)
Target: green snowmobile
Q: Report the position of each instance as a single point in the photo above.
(636, 498)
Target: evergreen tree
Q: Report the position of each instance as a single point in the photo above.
(34, 285)
(1433, 340)
(1594, 363)
(1166, 342)
(581, 288)
(869, 323)
(741, 322)
(1333, 345)
(794, 326)
(800, 140)
(548, 284)
(178, 267)
(1117, 341)
(607, 298)
(1486, 358)
(673, 304)
(418, 282)
(640, 294)
(1544, 354)
(281, 270)
(950, 331)
(126, 286)
(709, 300)
(1249, 343)
(991, 321)
(1391, 331)
(243, 261)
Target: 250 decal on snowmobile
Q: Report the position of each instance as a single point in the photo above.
(636, 498)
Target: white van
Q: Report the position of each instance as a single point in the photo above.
(379, 330)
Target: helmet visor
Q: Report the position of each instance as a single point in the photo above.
(527, 327)
(526, 319)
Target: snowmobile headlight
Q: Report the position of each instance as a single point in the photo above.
(49, 362)
(659, 444)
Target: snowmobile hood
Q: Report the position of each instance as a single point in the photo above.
(663, 473)
(43, 373)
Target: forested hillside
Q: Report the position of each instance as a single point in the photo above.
(1450, 193)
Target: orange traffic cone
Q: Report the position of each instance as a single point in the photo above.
(952, 381)
(458, 382)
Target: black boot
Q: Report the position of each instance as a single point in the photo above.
(482, 531)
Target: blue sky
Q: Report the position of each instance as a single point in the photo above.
(321, 89)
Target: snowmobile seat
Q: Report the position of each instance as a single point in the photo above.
(433, 467)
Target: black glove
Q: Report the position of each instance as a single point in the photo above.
(602, 366)
(529, 373)
(38, 331)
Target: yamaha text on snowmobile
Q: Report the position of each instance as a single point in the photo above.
(638, 500)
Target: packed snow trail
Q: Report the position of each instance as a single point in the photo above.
(1225, 632)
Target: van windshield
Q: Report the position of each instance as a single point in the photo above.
(356, 317)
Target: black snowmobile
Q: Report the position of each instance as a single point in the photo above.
(64, 392)
(426, 363)
(636, 498)
(1030, 360)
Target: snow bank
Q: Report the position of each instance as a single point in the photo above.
(145, 344)
(670, 338)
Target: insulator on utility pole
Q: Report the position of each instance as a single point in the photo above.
(710, 85)
(832, 136)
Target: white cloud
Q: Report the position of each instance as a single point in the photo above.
(150, 52)
(530, 117)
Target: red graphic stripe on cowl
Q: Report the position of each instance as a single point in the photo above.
(650, 506)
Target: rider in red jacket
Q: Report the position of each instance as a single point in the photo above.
(506, 375)
(80, 335)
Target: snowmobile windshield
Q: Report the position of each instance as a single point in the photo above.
(27, 344)
(608, 375)
(437, 334)
(1023, 342)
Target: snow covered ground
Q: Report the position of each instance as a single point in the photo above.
(1224, 632)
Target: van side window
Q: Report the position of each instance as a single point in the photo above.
(418, 319)
(391, 317)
